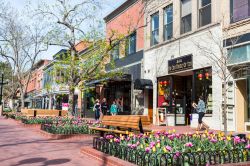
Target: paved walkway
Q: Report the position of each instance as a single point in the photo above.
(20, 146)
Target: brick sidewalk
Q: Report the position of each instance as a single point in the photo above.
(23, 146)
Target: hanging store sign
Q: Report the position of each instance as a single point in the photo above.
(180, 64)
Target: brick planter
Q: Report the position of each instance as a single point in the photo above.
(105, 158)
(64, 136)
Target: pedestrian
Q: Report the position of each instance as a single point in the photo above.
(201, 109)
(104, 106)
(113, 109)
(97, 109)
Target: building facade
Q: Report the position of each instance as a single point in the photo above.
(236, 33)
(125, 28)
(176, 35)
(34, 89)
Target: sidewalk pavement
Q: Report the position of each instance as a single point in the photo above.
(21, 146)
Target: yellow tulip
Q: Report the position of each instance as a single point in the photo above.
(141, 146)
(174, 130)
(229, 138)
(154, 149)
(127, 132)
(165, 150)
(158, 145)
(162, 137)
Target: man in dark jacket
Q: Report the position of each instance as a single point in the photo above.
(104, 107)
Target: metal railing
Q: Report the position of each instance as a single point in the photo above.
(142, 158)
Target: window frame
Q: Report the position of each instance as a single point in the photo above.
(232, 12)
(166, 25)
(116, 45)
(154, 31)
(182, 30)
(128, 44)
(200, 8)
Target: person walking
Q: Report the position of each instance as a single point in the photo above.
(201, 109)
(97, 109)
(113, 109)
(104, 106)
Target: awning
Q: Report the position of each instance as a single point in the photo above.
(143, 84)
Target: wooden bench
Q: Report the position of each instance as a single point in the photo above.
(43, 112)
(121, 124)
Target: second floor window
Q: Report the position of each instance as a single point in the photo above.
(168, 22)
(186, 16)
(240, 10)
(131, 44)
(204, 12)
(115, 52)
(155, 29)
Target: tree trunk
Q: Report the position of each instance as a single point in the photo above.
(71, 101)
(224, 106)
(22, 99)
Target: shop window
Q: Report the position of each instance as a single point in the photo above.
(131, 44)
(164, 94)
(186, 16)
(155, 29)
(168, 22)
(203, 87)
(239, 54)
(240, 10)
(115, 52)
(204, 12)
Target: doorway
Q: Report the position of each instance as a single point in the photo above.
(182, 97)
(241, 104)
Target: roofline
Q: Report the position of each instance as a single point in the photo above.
(119, 10)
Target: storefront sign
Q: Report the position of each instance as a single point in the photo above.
(180, 64)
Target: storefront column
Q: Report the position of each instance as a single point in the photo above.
(248, 98)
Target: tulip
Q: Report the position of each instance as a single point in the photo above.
(168, 148)
(248, 146)
(189, 144)
(147, 149)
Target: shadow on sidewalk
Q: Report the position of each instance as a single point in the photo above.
(43, 161)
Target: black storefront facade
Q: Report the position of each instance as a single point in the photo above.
(119, 89)
(182, 86)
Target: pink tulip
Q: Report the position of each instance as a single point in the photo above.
(248, 146)
(168, 148)
(189, 144)
(237, 140)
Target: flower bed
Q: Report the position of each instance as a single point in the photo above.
(176, 149)
(37, 120)
(68, 126)
(16, 116)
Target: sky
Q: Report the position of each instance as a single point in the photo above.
(108, 6)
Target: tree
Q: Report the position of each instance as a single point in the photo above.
(21, 45)
(221, 59)
(68, 19)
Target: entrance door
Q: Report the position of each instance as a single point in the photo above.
(150, 105)
(241, 104)
(182, 99)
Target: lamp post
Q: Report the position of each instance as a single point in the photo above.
(1, 92)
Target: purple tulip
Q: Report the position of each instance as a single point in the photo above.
(147, 149)
(213, 140)
(177, 155)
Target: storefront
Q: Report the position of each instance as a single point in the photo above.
(182, 86)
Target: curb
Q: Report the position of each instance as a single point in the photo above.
(105, 158)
